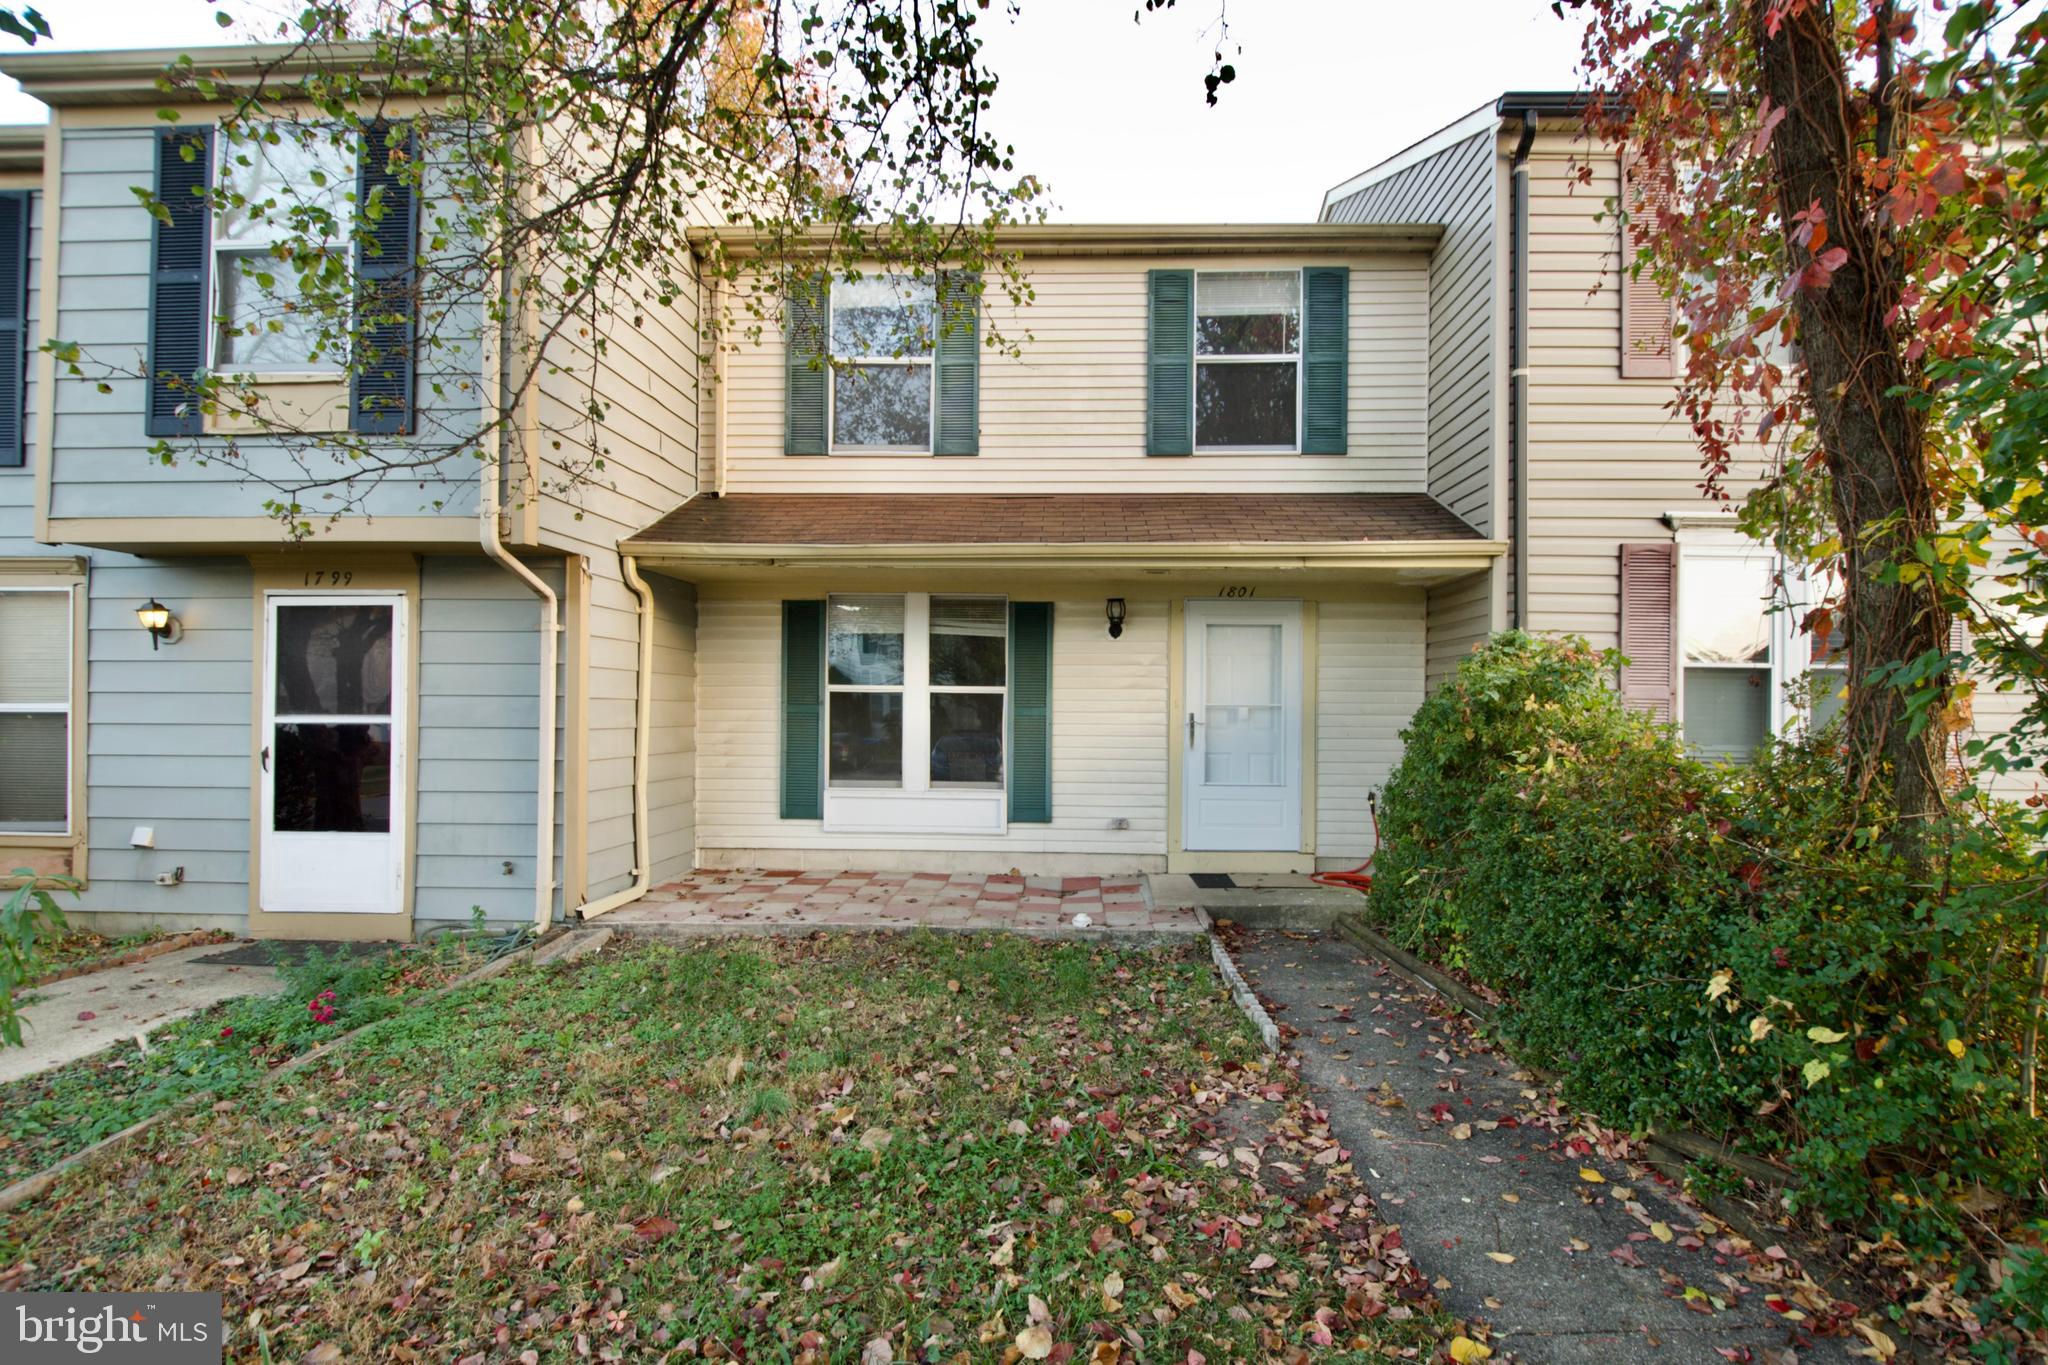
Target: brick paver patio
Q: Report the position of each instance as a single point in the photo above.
(748, 900)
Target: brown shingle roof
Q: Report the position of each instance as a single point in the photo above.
(1055, 519)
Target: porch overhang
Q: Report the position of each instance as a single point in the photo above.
(1387, 538)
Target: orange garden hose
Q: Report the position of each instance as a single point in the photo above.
(1358, 878)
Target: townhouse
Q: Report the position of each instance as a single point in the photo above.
(1146, 575)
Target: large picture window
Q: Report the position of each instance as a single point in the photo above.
(296, 189)
(917, 685)
(1247, 360)
(35, 710)
(1741, 656)
(882, 328)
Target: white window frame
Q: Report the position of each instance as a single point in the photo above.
(225, 150)
(928, 359)
(1791, 650)
(1195, 388)
(59, 708)
(918, 806)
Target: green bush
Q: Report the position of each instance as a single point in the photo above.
(1729, 949)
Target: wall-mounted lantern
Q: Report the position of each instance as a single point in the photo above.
(156, 618)
(1114, 610)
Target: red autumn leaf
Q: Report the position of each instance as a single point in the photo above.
(653, 1226)
(84, 1015)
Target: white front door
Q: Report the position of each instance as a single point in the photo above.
(333, 759)
(1241, 737)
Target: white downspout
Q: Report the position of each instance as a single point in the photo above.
(550, 612)
(643, 749)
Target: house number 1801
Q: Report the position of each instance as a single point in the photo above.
(1237, 590)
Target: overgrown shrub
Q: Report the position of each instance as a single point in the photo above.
(1726, 948)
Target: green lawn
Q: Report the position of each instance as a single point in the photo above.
(829, 1149)
(219, 1051)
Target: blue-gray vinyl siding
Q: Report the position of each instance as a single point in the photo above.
(479, 712)
(101, 466)
(167, 737)
(1454, 187)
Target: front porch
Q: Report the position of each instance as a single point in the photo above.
(748, 900)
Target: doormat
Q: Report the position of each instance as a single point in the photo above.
(274, 952)
(1213, 881)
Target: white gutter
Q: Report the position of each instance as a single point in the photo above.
(718, 460)
(550, 613)
(643, 747)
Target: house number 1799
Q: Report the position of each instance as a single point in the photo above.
(1237, 590)
(330, 578)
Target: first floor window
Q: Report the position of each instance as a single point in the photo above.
(1742, 654)
(1247, 359)
(35, 709)
(882, 329)
(916, 685)
(285, 186)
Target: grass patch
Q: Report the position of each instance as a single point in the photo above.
(48, 1116)
(767, 1151)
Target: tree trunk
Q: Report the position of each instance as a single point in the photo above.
(1872, 439)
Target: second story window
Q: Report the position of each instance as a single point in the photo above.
(1247, 359)
(293, 192)
(882, 329)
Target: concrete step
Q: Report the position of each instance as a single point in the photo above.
(1259, 900)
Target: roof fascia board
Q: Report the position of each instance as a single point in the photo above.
(1471, 125)
(1136, 239)
(1246, 554)
(132, 75)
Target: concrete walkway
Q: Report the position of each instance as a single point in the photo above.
(121, 1002)
(1467, 1154)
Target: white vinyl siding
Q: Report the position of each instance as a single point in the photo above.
(1109, 734)
(1067, 414)
(1369, 662)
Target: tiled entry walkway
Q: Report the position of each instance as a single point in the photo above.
(746, 900)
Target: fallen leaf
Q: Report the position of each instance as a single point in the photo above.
(1591, 1176)
(1464, 1350)
(653, 1226)
(1034, 1343)
(1500, 1256)
(1956, 1048)
(1661, 1231)
(85, 1016)
(1003, 1254)
(1112, 1292)
(326, 1353)
(875, 1139)
(878, 1352)
(1820, 1034)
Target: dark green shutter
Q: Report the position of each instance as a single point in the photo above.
(1031, 713)
(1170, 364)
(958, 358)
(177, 297)
(1325, 358)
(803, 710)
(14, 212)
(380, 386)
(805, 373)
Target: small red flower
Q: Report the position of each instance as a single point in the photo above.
(227, 1032)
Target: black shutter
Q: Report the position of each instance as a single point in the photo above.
(380, 397)
(14, 211)
(177, 298)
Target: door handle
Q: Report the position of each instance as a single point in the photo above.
(1192, 723)
(266, 758)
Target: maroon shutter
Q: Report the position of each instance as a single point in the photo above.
(1646, 349)
(1649, 628)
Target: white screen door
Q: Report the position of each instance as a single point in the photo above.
(1241, 764)
(333, 760)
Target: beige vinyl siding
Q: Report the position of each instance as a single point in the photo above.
(1109, 724)
(1460, 614)
(672, 767)
(1067, 414)
(1454, 187)
(598, 485)
(1368, 682)
(1606, 459)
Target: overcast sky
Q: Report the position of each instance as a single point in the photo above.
(1109, 113)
